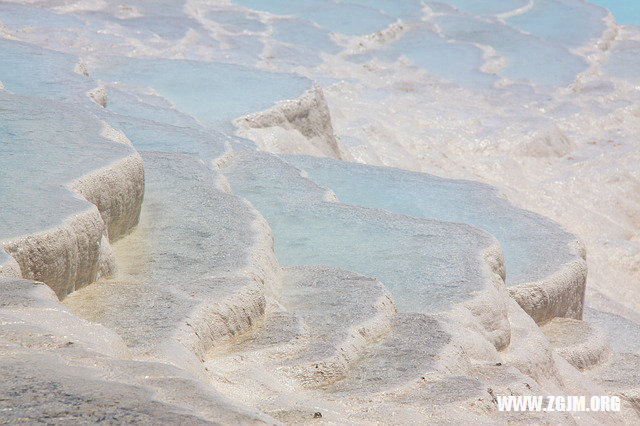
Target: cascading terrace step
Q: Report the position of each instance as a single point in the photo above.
(546, 271)
(324, 320)
(619, 374)
(334, 344)
(579, 342)
(429, 266)
(69, 188)
(194, 273)
(335, 336)
(58, 368)
(306, 352)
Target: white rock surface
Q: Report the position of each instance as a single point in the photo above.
(195, 273)
(85, 192)
(58, 368)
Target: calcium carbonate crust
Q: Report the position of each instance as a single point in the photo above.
(77, 252)
(219, 163)
(308, 117)
(354, 338)
(238, 296)
(560, 294)
(581, 344)
(489, 307)
(217, 322)
(79, 371)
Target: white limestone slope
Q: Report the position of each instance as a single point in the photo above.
(85, 192)
(198, 284)
(580, 343)
(560, 294)
(429, 266)
(59, 368)
(195, 273)
(299, 126)
(322, 322)
(545, 265)
(618, 373)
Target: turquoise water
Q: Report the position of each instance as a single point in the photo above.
(19, 16)
(456, 62)
(213, 93)
(29, 70)
(428, 266)
(44, 146)
(568, 22)
(529, 59)
(344, 18)
(624, 61)
(403, 9)
(627, 12)
(485, 7)
(533, 246)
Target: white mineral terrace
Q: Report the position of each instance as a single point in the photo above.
(338, 211)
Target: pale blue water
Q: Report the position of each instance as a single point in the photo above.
(485, 7)
(168, 27)
(624, 61)
(428, 266)
(213, 93)
(626, 12)
(535, 44)
(305, 34)
(528, 58)
(571, 23)
(30, 70)
(401, 9)
(533, 246)
(455, 62)
(236, 21)
(199, 96)
(148, 135)
(46, 145)
(345, 18)
(19, 16)
(120, 102)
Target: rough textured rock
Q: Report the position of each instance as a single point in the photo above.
(194, 274)
(86, 187)
(579, 342)
(57, 368)
(299, 126)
